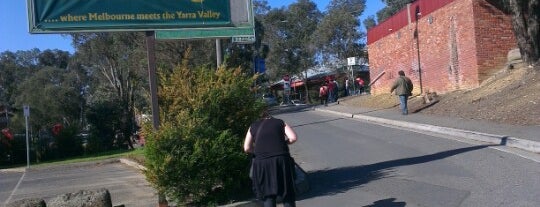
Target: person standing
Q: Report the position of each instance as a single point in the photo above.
(330, 91)
(272, 167)
(347, 86)
(335, 91)
(323, 94)
(403, 87)
(360, 84)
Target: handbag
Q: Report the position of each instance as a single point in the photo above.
(301, 183)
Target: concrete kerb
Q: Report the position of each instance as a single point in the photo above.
(132, 164)
(528, 145)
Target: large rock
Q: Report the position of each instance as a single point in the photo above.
(514, 59)
(87, 198)
(29, 202)
(513, 55)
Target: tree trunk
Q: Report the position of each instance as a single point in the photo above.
(307, 101)
(526, 28)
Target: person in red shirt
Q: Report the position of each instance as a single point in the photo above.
(323, 94)
(360, 84)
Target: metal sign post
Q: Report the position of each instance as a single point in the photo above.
(26, 115)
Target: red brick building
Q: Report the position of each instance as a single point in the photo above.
(460, 43)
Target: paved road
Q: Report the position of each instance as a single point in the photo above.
(126, 184)
(354, 163)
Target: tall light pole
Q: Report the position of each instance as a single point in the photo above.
(417, 16)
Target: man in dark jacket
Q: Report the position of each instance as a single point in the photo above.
(403, 87)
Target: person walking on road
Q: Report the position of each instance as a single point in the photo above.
(403, 87)
(272, 167)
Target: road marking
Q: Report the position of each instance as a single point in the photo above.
(503, 148)
(516, 153)
(15, 189)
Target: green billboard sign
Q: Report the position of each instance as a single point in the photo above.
(55, 16)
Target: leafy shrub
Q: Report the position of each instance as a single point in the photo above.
(103, 118)
(196, 156)
(67, 143)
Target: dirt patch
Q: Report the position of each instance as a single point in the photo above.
(511, 96)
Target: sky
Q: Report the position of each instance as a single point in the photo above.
(14, 33)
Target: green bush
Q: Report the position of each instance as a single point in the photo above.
(67, 143)
(196, 156)
(104, 120)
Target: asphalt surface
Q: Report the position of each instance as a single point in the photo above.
(522, 138)
(525, 138)
(126, 184)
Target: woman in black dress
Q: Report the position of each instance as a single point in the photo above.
(273, 167)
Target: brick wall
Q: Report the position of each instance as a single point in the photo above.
(458, 46)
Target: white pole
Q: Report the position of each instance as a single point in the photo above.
(26, 114)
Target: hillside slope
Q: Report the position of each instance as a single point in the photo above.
(511, 96)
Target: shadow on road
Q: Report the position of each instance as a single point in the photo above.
(339, 180)
(389, 202)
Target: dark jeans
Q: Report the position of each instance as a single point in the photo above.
(270, 201)
(403, 104)
(324, 100)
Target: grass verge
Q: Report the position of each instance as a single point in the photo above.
(136, 155)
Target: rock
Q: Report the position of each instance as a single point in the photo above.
(514, 59)
(513, 55)
(29, 202)
(98, 198)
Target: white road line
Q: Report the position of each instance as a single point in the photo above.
(502, 149)
(15, 189)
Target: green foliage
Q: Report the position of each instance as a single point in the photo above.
(119, 71)
(370, 22)
(196, 156)
(196, 164)
(103, 118)
(289, 32)
(5, 149)
(392, 7)
(338, 35)
(67, 143)
(221, 98)
(51, 97)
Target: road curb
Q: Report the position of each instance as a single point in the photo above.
(528, 145)
(132, 164)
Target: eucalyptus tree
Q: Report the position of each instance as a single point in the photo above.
(54, 58)
(339, 36)
(370, 22)
(117, 62)
(52, 96)
(15, 67)
(8, 82)
(392, 7)
(526, 24)
(171, 53)
(288, 33)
